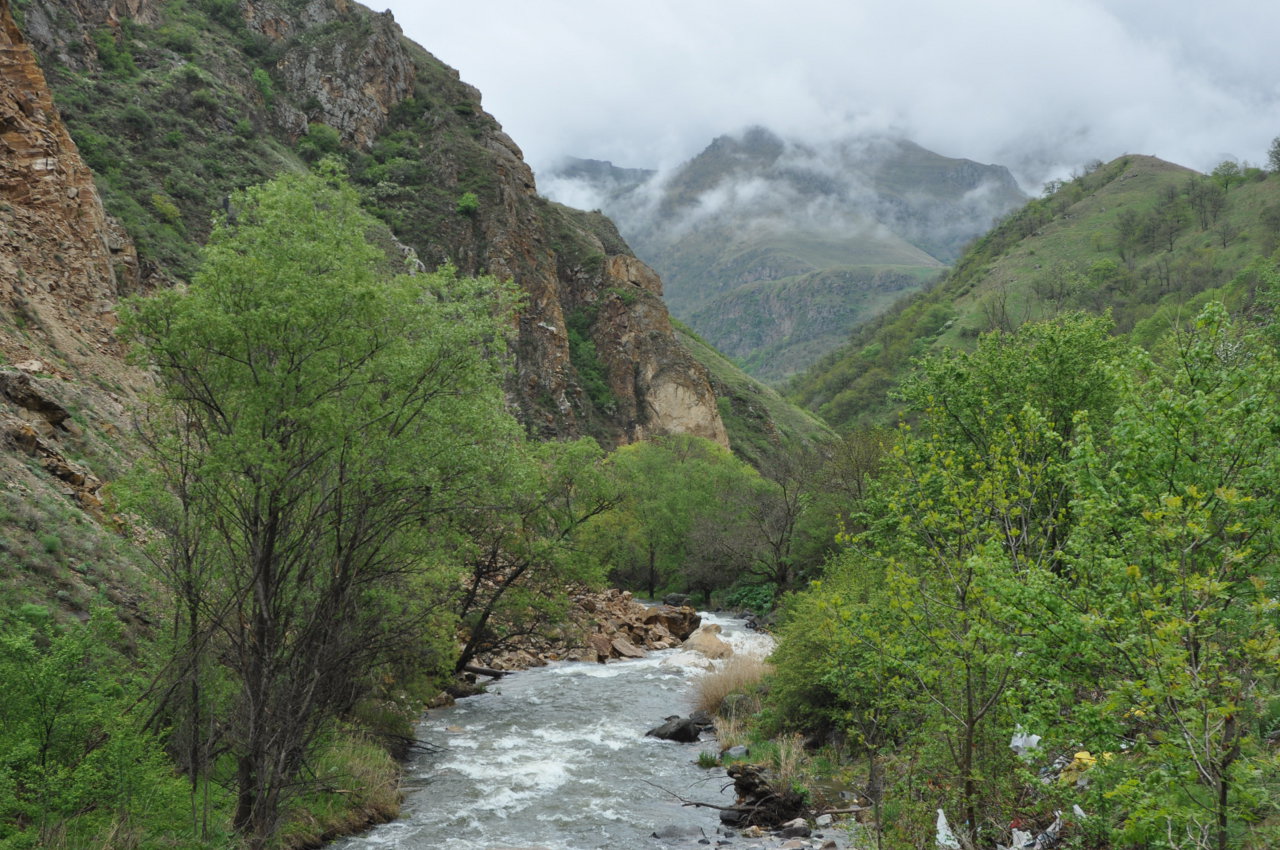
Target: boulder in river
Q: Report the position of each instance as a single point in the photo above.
(626, 649)
(682, 729)
(685, 658)
(601, 644)
(679, 621)
(795, 828)
(707, 641)
(669, 833)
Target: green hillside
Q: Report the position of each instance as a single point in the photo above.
(1139, 237)
(776, 327)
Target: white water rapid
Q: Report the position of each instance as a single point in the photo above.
(555, 757)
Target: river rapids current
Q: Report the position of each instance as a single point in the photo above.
(555, 757)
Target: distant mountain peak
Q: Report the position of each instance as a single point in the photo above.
(753, 213)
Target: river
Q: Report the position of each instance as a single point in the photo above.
(556, 758)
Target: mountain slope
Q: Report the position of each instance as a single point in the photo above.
(1139, 237)
(177, 104)
(758, 219)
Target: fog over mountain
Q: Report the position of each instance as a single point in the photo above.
(1041, 86)
(772, 248)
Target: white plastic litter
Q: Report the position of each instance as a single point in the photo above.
(946, 838)
(1022, 743)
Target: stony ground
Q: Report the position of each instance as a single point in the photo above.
(602, 625)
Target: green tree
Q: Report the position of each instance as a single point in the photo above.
(1228, 173)
(972, 506)
(1176, 579)
(1273, 155)
(524, 545)
(326, 413)
(680, 508)
(76, 765)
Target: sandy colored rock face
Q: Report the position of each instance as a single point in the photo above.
(63, 262)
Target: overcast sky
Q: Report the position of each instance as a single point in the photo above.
(1041, 86)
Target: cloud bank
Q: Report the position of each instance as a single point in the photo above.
(1041, 86)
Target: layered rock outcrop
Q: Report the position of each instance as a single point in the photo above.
(63, 262)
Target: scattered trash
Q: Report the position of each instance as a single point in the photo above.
(1051, 836)
(946, 838)
(1052, 771)
(1075, 770)
(1023, 744)
(1024, 840)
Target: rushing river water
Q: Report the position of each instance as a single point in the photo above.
(556, 758)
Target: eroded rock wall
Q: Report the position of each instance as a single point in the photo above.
(63, 262)
(343, 65)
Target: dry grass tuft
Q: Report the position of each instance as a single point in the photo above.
(789, 759)
(731, 732)
(739, 675)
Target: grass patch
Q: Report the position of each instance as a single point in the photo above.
(357, 785)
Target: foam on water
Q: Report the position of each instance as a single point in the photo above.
(556, 757)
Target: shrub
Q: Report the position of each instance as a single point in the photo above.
(52, 543)
(468, 204)
(167, 209)
(136, 119)
(262, 81)
(114, 58)
(319, 141)
(754, 597)
(225, 12)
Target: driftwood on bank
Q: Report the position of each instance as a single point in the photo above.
(758, 802)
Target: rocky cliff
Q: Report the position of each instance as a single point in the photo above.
(63, 261)
(177, 105)
(64, 386)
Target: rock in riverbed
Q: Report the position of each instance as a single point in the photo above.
(682, 729)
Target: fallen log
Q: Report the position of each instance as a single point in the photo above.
(485, 671)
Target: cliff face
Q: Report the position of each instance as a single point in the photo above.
(341, 66)
(594, 349)
(63, 261)
(63, 265)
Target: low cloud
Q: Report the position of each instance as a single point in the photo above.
(1041, 86)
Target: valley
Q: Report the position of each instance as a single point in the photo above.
(319, 409)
